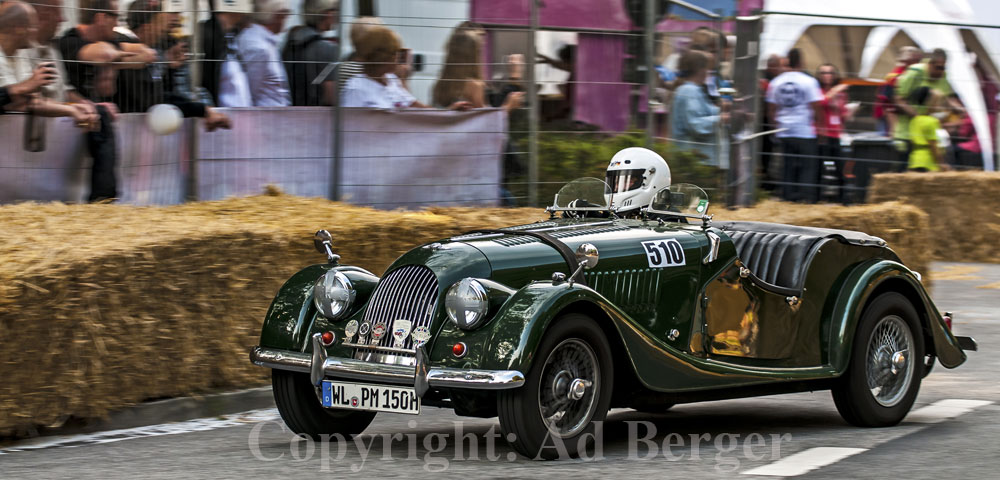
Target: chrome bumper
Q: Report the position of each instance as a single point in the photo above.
(421, 377)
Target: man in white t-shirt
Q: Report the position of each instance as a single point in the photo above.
(793, 102)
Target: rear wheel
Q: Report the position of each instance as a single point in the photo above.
(887, 364)
(301, 410)
(567, 389)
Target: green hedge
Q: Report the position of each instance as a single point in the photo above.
(565, 156)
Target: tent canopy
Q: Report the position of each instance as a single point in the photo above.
(867, 48)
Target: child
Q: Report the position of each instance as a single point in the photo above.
(926, 155)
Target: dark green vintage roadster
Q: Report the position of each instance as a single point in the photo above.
(549, 325)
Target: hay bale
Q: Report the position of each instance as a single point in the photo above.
(108, 305)
(963, 206)
(103, 306)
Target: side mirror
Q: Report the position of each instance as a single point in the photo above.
(323, 242)
(587, 256)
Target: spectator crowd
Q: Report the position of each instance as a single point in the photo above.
(101, 67)
(805, 116)
(104, 66)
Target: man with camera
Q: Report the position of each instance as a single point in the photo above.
(33, 88)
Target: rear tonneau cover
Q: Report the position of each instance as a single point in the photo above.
(848, 236)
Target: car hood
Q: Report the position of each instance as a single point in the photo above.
(516, 260)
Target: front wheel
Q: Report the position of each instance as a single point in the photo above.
(302, 411)
(887, 364)
(567, 389)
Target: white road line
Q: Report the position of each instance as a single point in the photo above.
(110, 436)
(805, 461)
(813, 458)
(943, 410)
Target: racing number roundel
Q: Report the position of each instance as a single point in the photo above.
(664, 253)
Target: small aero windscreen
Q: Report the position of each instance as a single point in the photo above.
(625, 180)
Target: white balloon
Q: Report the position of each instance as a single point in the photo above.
(164, 119)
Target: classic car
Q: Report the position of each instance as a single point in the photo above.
(550, 324)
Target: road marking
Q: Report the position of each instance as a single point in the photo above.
(805, 461)
(813, 458)
(111, 436)
(944, 410)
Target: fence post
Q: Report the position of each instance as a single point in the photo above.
(337, 138)
(194, 65)
(533, 110)
(649, 44)
(190, 193)
(747, 81)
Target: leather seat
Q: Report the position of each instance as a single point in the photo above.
(779, 259)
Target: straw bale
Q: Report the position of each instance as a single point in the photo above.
(963, 206)
(103, 306)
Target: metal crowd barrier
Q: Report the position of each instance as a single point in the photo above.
(389, 159)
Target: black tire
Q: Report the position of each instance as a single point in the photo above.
(301, 410)
(873, 352)
(520, 409)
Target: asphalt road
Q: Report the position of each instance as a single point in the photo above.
(953, 432)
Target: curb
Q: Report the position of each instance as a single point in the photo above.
(172, 410)
(187, 408)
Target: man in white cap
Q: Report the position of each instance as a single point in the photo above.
(257, 47)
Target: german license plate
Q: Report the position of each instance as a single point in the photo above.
(374, 398)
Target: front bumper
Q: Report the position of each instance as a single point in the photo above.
(421, 377)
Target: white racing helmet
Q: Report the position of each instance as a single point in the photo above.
(635, 174)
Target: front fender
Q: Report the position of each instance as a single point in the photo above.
(509, 340)
(861, 284)
(289, 321)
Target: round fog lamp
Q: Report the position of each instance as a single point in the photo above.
(333, 295)
(466, 303)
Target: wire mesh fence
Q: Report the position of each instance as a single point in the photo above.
(395, 103)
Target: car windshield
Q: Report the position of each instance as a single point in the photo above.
(586, 193)
(683, 199)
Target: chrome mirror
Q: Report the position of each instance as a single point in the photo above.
(323, 242)
(587, 255)
(586, 258)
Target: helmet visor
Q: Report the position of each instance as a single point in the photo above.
(625, 180)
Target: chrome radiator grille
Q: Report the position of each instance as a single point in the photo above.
(408, 292)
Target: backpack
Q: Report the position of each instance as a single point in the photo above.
(291, 55)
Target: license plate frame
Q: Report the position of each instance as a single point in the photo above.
(370, 397)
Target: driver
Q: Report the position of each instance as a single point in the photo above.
(635, 174)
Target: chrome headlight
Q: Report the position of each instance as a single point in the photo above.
(466, 303)
(333, 294)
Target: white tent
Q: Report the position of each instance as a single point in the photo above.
(781, 32)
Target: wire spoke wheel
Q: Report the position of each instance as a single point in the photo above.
(889, 366)
(887, 362)
(566, 393)
(569, 380)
